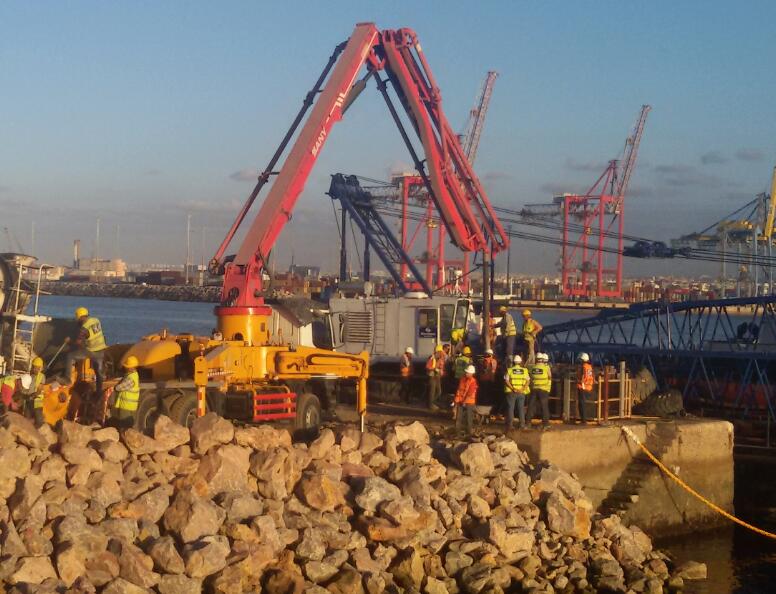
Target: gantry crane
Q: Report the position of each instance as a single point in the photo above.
(246, 371)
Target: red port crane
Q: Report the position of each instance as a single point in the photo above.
(454, 187)
(593, 271)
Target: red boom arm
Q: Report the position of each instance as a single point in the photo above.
(456, 190)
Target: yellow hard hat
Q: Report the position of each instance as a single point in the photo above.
(131, 362)
(81, 312)
(526, 312)
(439, 348)
(467, 350)
(37, 362)
(503, 309)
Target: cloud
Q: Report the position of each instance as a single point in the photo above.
(713, 158)
(153, 171)
(680, 176)
(493, 176)
(749, 154)
(589, 166)
(245, 175)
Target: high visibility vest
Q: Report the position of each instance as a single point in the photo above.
(435, 366)
(488, 371)
(529, 329)
(38, 380)
(510, 329)
(128, 399)
(10, 381)
(586, 380)
(519, 382)
(540, 377)
(461, 363)
(95, 340)
(467, 391)
(405, 365)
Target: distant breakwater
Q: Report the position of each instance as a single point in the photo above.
(133, 291)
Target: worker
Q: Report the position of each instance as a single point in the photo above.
(541, 383)
(517, 384)
(34, 394)
(487, 377)
(126, 396)
(435, 368)
(508, 331)
(405, 370)
(89, 344)
(531, 329)
(585, 381)
(9, 386)
(465, 400)
(448, 379)
(462, 361)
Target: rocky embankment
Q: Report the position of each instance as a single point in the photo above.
(229, 509)
(134, 291)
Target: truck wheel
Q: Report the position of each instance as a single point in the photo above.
(147, 411)
(184, 409)
(308, 416)
(661, 404)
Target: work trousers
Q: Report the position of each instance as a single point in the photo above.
(465, 417)
(582, 397)
(530, 351)
(543, 398)
(121, 418)
(406, 389)
(38, 416)
(509, 342)
(96, 358)
(434, 390)
(513, 399)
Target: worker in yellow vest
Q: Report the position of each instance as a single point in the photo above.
(34, 394)
(10, 385)
(517, 384)
(462, 361)
(531, 329)
(541, 384)
(435, 368)
(88, 344)
(509, 332)
(126, 395)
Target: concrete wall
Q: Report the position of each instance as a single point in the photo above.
(617, 477)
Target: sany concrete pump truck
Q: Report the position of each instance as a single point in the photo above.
(242, 373)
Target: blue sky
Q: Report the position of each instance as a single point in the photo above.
(141, 112)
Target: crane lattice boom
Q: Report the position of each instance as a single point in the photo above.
(471, 137)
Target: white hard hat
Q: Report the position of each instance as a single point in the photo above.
(409, 350)
(584, 357)
(517, 359)
(542, 357)
(488, 351)
(470, 370)
(26, 381)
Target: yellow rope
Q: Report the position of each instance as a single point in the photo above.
(692, 491)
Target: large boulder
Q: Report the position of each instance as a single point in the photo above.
(209, 431)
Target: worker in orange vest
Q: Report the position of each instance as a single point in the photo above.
(487, 377)
(405, 370)
(585, 381)
(465, 400)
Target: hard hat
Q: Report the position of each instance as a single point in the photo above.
(488, 351)
(503, 309)
(26, 381)
(470, 370)
(517, 359)
(37, 362)
(526, 312)
(439, 349)
(542, 357)
(584, 357)
(131, 362)
(409, 351)
(81, 312)
(467, 350)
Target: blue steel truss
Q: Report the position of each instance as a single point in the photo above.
(357, 202)
(719, 352)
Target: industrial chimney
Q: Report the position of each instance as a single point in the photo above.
(77, 254)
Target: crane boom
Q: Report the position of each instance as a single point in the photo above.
(471, 138)
(631, 152)
(453, 185)
(771, 214)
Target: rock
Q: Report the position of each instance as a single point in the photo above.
(312, 546)
(369, 443)
(267, 533)
(692, 570)
(71, 433)
(206, 556)
(169, 434)
(320, 492)
(135, 566)
(244, 575)
(150, 506)
(210, 430)
(179, 584)
(122, 586)
(400, 511)
(435, 586)
(224, 468)
(415, 431)
(70, 563)
(262, 437)
(24, 431)
(82, 455)
(165, 555)
(191, 517)
(321, 447)
(482, 577)
(478, 507)
(474, 459)
(407, 569)
(348, 581)
(508, 542)
(376, 490)
(455, 561)
(241, 506)
(140, 444)
(568, 518)
(32, 570)
(319, 571)
(101, 568)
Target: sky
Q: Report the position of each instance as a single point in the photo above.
(141, 113)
